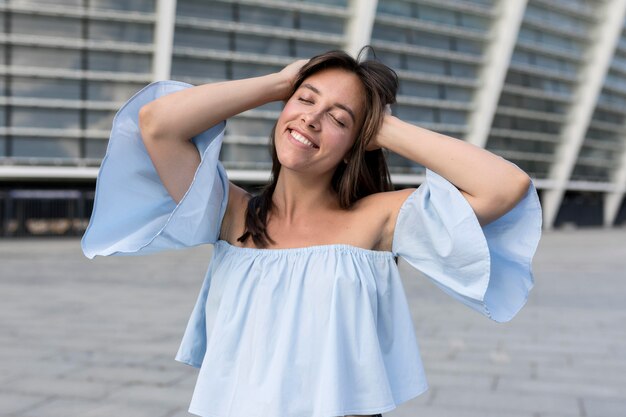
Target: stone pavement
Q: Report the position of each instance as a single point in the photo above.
(97, 338)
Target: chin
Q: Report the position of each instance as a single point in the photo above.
(292, 164)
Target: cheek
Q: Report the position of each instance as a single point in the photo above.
(288, 108)
(343, 143)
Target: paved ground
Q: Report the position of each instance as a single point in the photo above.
(97, 338)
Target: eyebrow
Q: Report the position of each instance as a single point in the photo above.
(339, 105)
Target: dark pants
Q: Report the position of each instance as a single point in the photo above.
(375, 415)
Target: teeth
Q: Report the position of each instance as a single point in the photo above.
(301, 139)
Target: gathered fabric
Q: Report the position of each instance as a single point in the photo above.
(319, 331)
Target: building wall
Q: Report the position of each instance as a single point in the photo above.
(541, 83)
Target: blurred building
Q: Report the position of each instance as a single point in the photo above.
(540, 82)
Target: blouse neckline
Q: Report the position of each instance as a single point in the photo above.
(331, 247)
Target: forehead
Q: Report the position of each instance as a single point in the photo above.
(340, 86)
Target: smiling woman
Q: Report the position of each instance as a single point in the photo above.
(302, 312)
(325, 114)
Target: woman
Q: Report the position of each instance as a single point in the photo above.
(302, 312)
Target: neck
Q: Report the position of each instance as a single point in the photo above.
(297, 196)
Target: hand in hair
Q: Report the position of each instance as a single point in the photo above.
(289, 75)
(375, 143)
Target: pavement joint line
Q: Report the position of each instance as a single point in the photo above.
(494, 382)
(581, 407)
(431, 399)
(44, 401)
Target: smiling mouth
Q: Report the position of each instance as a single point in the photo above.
(298, 137)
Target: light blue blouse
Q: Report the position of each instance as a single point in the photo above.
(320, 331)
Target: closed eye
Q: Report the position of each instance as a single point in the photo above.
(339, 122)
(305, 100)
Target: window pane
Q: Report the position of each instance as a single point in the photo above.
(522, 57)
(243, 70)
(135, 5)
(120, 31)
(474, 22)
(437, 15)
(415, 114)
(205, 9)
(46, 26)
(400, 164)
(418, 89)
(395, 7)
(342, 3)
(468, 47)
(607, 116)
(3, 146)
(78, 3)
(605, 154)
(389, 33)
(45, 57)
(45, 88)
(114, 61)
(454, 117)
(421, 64)
(111, 91)
(202, 39)
(268, 17)
(392, 59)
(431, 40)
(261, 45)
(95, 148)
(309, 49)
(244, 155)
(195, 67)
(100, 119)
(45, 147)
(462, 70)
(325, 24)
(458, 93)
(506, 143)
(249, 127)
(50, 118)
(592, 173)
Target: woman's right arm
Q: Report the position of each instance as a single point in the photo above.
(168, 123)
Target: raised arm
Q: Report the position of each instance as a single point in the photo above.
(491, 184)
(168, 123)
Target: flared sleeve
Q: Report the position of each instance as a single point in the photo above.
(486, 268)
(133, 214)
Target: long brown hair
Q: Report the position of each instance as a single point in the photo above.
(365, 172)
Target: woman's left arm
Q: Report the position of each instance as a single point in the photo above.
(491, 184)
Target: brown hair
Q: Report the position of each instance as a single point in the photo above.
(365, 172)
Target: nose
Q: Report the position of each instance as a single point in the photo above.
(311, 119)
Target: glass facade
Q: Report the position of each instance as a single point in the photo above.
(64, 59)
(604, 143)
(66, 66)
(539, 85)
(437, 50)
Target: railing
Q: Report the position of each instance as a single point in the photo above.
(45, 212)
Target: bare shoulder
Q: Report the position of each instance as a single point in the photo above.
(388, 201)
(381, 211)
(237, 204)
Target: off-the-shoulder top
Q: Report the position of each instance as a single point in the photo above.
(319, 331)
